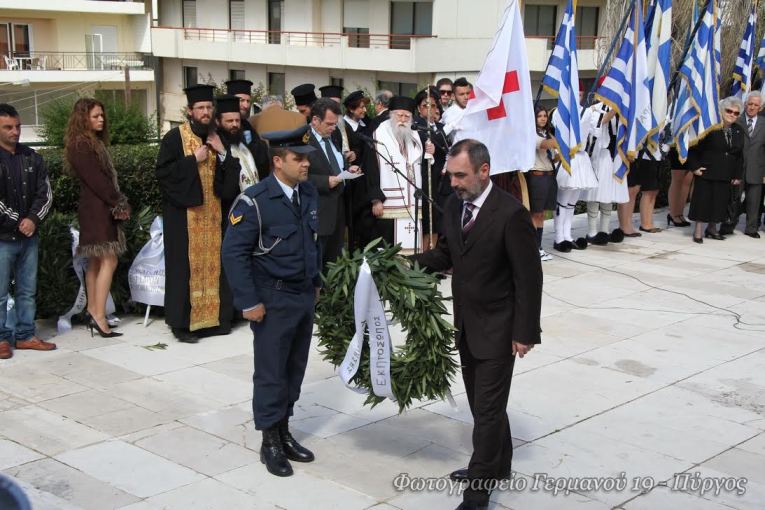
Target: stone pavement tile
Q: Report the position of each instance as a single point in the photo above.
(565, 342)
(72, 485)
(8, 402)
(539, 358)
(328, 425)
(239, 367)
(585, 289)
(754, 445)
(434, 461)
(663, 498)
(209, 349)
(129, 468)
(13, 454)
(150, 431)
(740, 463)
(169, 399)
(34, 385)
(332, 394)
(578, 453)
(552, 305)
(322, 493)
(126, 421)
(713, 293)
(207, 383)
(520, 493)
(87, 371)
(79, 340)
(383, 506)
(673, 422)
(378, 438)
(227, 423)
(207, 494)
(85, 404)
(436, 428)
(588, 329)
(430, 501)
(197, 450)
(41, 500)
(45, 431)
(754, 493)
(138, 359)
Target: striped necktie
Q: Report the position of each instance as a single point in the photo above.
(749, 126)
(468, 220)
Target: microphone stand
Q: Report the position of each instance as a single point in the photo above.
(427, 173)
(418, 192)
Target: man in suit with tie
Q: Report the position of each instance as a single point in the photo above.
(489, 241)
(754, 170)
(326, 165)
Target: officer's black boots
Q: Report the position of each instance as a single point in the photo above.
(272, 453)
(292, 448)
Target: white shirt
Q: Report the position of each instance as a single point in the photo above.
(354, 124)
(478, 202)
(452, 118)
(288, 190)
(335, 152)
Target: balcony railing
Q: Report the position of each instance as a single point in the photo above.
(584, 42)
(70, 61)
(319, 39)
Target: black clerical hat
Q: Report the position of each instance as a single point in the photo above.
(234, 87)
(227, 104)
(305, 94)
(331, 91)
(355, 96)
(285, 130)
(197, 93)
(401, 103)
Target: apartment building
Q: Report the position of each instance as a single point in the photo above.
(367, 44)
(51, 49)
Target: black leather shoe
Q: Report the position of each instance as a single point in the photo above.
(460, 475)
(714, 235)
(272, 453)
(726, 230)
(617, 236)
(579, 244)
(292, 449)
(753, 234)
(599, 239)
(185, 336)
(563, 247)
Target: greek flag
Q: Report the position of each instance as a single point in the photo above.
(659, 52)
(761, 53)
(561, 80)
(625, 89)
(697, 111)
(742, 73)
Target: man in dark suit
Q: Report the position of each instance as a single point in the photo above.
(326, 164)
(382, 99)
(490, 243)
(754, 170)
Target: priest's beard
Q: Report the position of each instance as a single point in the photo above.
(233, 137)
(201, 130)
(402, 132)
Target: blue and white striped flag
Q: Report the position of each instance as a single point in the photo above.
(659, 52)
(742, 73)
(561, 80)
(697, 110)
(625, 89)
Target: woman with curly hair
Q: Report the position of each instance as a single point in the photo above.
(102, 207)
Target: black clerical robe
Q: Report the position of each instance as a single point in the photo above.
(181, 186)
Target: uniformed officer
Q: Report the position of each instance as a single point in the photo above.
(272, 260)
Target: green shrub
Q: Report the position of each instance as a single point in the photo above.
(127, 124)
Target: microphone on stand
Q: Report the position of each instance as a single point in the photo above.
(367, 139)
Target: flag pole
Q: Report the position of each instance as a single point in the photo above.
(430, 177)
(602, 69)
(687, 48)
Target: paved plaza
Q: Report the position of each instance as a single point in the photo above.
(652, 365)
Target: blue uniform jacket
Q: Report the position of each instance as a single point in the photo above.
(295, 259)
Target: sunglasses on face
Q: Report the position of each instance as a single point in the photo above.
(732, 112)
(445, 92)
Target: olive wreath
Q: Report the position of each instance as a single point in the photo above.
(424, 367)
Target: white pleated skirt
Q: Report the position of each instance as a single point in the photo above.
(582, 175)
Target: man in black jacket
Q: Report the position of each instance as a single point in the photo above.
(25, 200)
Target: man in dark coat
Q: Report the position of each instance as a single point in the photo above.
(259, 148)
(305, 96)
(490, 243)
(197, 297)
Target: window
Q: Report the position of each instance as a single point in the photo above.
(21, 42)
(236, 14)
(337, 82)
(189, 14)
(398, 88)
(189, 76)
(275, 11)
(587, 26)
(236, 74)
(276, 84)
(409, 18)
(541, 20)
(357, 37)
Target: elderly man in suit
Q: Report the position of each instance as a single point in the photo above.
(754, 170)
(489, 241)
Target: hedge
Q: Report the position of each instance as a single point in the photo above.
(57, 283)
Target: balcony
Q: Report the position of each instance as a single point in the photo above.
(369, 52)
(42, 67)
(76, 6)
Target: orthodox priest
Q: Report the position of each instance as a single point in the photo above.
(393, 174)
(242, 89)
(197, 298)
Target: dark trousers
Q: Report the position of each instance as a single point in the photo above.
(332, 245)
(281, 344)
(750, 205)
(487, 383)
(384, 228)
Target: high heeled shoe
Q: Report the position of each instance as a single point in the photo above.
(699, 240)
(714, 235)
(674, 222)
(93, 324)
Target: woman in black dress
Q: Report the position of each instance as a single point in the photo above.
(716, 162)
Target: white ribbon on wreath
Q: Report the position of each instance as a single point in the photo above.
(369, 315)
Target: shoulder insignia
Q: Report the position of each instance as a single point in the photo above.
(306, 137)
(234, 219)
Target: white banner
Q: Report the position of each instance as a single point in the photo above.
(147, 273)
(369, 315)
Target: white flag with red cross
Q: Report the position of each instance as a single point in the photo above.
(500, 112)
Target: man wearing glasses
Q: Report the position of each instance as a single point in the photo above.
(445, 92)
(453, 116)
